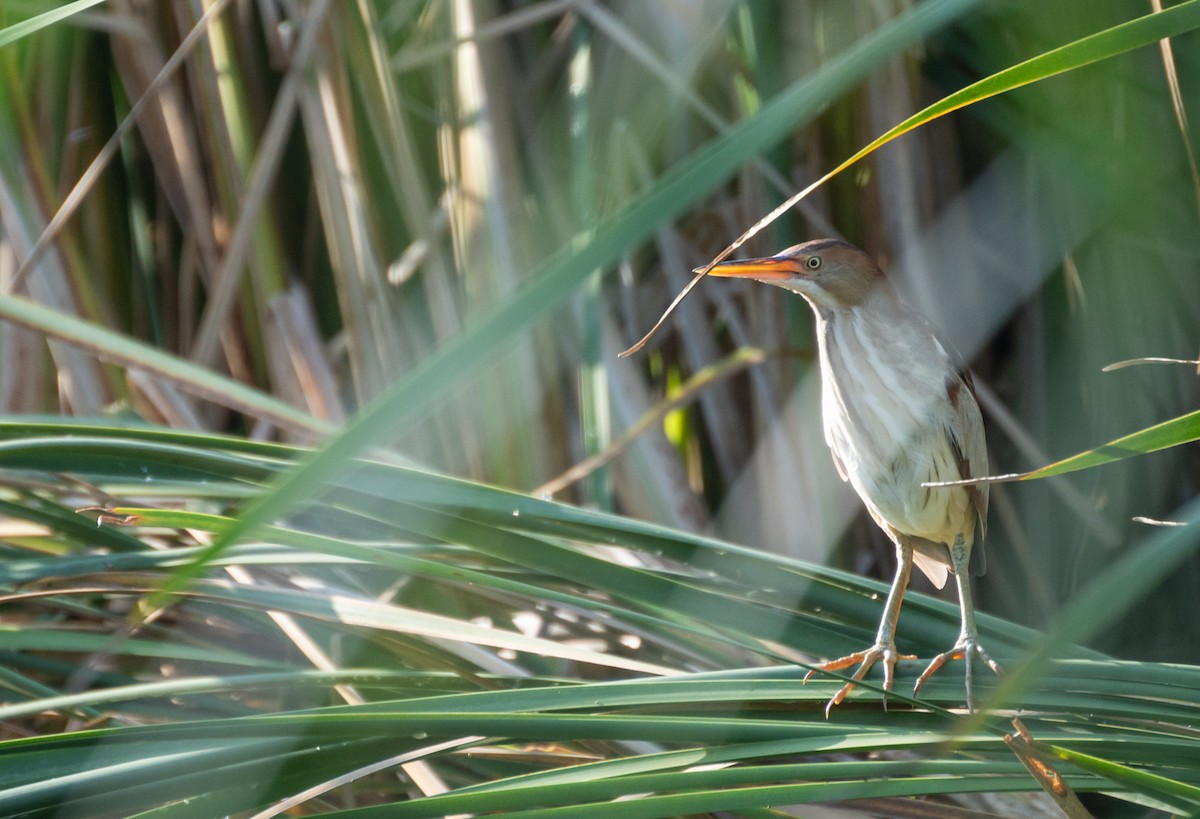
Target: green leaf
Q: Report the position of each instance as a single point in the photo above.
(1182, 430)
(136, 354)
(1102, 45)
(48, 18)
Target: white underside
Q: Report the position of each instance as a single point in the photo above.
(888, 446)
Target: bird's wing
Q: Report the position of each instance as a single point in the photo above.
(834, 442)
(838, 465)
(933, 559)
(970, 450)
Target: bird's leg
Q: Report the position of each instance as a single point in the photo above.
(967, 645)
(885, 639)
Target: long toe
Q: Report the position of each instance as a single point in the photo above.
(965, 649)
(866, 659)
(987, 659)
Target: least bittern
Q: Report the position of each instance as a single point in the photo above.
(899, 414)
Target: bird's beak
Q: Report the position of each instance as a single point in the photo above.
(769, 269)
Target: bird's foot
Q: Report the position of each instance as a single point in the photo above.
(865, 660)
(965, 649)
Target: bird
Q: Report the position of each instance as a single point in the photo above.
(899, 413)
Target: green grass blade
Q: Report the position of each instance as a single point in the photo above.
(47, 18)
(135, 354)
(1102, 45)
(1182, 430)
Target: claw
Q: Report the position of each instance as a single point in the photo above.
(965, 649)
(865, 659)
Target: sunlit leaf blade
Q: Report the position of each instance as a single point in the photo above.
(134, 354)
(1182, 430)
(47, 18)
(1100, 46)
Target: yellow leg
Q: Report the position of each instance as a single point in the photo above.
(967, 645)
(885, 639)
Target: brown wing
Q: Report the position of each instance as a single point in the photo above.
(970, 450)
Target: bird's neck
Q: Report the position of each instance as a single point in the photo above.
(882, 326)
(880, 309)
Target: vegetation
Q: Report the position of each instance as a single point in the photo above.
(324, 491)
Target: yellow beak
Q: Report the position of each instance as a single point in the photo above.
(771, 268)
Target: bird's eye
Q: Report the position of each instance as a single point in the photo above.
(813, 263)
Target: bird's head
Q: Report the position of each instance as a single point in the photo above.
(830, 273)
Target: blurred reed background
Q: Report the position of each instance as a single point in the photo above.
(316, 224)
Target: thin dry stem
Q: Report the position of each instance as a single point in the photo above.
(781, 209)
